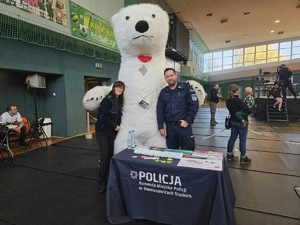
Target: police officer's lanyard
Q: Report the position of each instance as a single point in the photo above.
(142, 100)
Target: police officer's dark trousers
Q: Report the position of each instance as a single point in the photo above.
(180, 137)
(288, 84)
(106, 148)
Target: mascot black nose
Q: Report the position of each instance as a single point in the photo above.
(142, 26)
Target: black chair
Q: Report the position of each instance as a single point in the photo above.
(37, 132)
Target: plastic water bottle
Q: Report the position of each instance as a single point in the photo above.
(129, 140)
(133, 139)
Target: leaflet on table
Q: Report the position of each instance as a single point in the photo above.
(208, 164)
(203, 154)
(148, 152)
(166, 153)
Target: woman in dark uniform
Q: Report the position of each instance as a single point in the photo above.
(107, 127)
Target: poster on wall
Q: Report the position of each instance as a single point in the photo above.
(53, 10)
(90, 27)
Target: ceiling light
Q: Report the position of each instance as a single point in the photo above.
(272, 31)
(223, 20)
(277, 21)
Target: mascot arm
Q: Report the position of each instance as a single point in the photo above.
(160, 113)
(199, 90)
(193, 105)
(93, 98)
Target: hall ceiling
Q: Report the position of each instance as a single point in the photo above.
(248, 21)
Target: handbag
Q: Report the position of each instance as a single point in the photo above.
(227, 122)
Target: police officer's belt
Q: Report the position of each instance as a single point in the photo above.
(173, 123)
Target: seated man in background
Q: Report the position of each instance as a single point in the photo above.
(13, 117)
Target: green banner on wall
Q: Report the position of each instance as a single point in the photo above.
(88, 26)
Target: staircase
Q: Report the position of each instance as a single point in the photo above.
(274, 115)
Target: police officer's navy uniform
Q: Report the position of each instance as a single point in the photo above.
(285, 74)
(174, 105)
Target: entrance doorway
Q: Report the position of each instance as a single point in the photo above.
(89, 83)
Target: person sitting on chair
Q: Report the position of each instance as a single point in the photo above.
(13, 117)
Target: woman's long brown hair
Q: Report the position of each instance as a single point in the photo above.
(232, 90)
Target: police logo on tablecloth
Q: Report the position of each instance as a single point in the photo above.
(134, 175)
(194, 97)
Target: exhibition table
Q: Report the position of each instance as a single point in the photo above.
(163, 192)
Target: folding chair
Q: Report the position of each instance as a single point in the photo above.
(37, 132)
(4, 146)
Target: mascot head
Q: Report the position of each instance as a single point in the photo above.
(141, 29)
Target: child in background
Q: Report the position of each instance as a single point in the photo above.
(249, 100)
(276, 93)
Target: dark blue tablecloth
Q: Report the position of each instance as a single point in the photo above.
(162, 192)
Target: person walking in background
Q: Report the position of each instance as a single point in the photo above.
(177, 106)
(235, 104)
(213, 102)
(107, 127)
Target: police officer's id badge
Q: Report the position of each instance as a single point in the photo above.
(144, 103)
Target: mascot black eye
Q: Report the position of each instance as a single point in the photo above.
(127, 17)
(153, 15)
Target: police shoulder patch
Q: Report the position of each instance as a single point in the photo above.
(194, 97)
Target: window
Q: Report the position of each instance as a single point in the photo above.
(207, 62)
(227, 59)
(217, 61)
(284, 54)
(285, 50)
(272, 55)
(250, 56)
(260, 54)
(296, 50)
(238, 57)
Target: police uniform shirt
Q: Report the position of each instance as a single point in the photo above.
(180, 103)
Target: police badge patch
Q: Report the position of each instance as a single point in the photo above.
(194, 97)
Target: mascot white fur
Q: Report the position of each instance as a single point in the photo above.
(141, 32)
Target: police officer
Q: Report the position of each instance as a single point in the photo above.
(177, 106)
(285, 74)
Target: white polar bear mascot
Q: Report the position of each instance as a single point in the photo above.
(141, 33)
